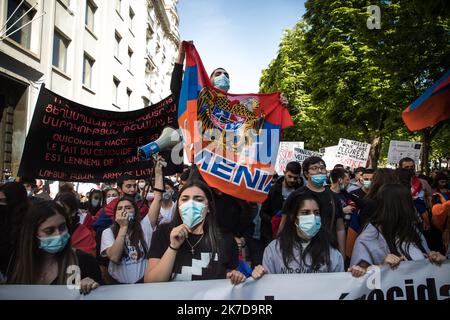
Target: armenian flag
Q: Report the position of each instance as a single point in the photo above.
(431, 107)
(232, 138)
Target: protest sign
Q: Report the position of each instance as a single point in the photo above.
(352, 153)
(71, 142)
(402, 149)
(286, 154)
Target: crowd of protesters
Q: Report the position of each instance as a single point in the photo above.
(314, 219)
(136, 231)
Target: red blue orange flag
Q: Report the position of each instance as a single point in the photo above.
(232, 138)
(431, 107)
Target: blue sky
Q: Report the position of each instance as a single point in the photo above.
(241, 36)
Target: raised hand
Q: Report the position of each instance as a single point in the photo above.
(178, 235)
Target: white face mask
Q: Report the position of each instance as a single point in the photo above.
(109, 199)
(95, 202)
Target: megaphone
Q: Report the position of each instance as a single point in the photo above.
(169, 138)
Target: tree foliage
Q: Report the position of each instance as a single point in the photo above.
(345, 80)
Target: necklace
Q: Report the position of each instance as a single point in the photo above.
(193, 246)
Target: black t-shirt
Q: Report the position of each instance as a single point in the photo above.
(88, 267)
(197, 266)
(326, 206)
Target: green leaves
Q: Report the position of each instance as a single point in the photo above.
(344, 80)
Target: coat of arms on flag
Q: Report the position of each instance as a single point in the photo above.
(232, 138)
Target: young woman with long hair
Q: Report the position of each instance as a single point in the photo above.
(126, 243)
(304, 244)
(392, 234)
(44, 254)
(191, 246)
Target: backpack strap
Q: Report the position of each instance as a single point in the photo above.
(333, 216)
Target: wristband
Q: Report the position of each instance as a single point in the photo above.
(170, 246)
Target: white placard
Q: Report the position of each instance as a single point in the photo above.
(352, 153)
(329, 157)
(402, 149)
(286, 154)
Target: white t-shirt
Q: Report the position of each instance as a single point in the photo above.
(129, 270)
(167, 213)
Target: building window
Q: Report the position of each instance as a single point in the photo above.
(23, 36)
(90, 13)
(116, 84)
(131, 19)
(117, 45)
(129, 92)
(60, 45)
(118, 5)
(130, 55)
(88, 63)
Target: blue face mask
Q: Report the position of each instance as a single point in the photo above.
(319, 179)
(222, 82)
(192, 213)
(367, 184)
(54, 244)
(309, 225)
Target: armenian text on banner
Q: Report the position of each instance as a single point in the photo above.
(232, 138)
(352, 153)
(71, 142)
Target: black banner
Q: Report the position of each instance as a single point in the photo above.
(71, 142)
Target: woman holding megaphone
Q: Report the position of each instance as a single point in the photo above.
(192, 239)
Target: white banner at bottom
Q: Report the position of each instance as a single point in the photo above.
(418, 280)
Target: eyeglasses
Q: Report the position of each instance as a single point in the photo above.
(317, 168)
